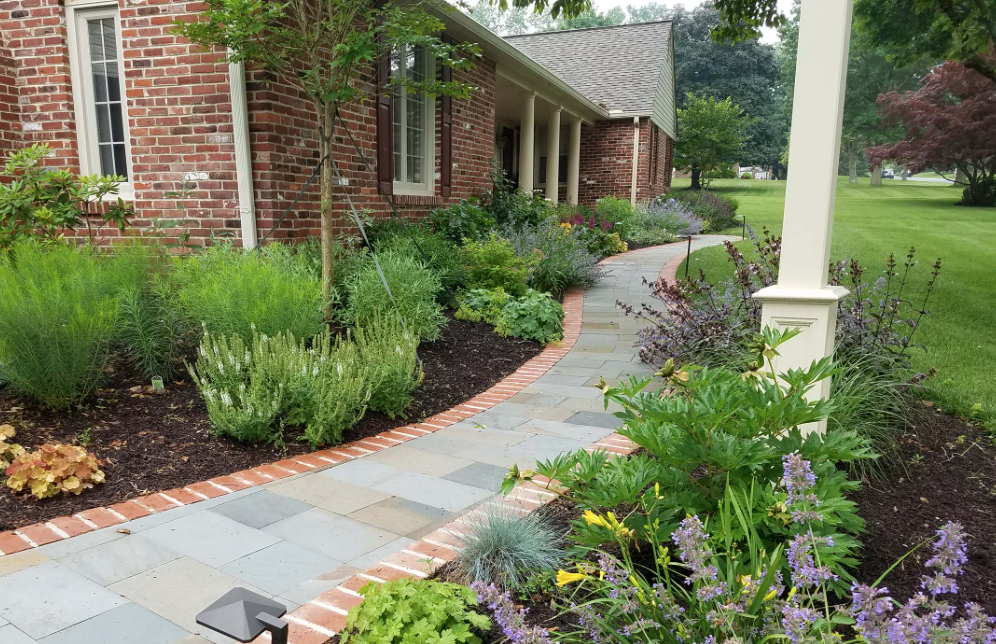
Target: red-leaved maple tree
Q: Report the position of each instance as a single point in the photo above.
(950, 122)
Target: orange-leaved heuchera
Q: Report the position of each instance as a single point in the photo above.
(54, 468)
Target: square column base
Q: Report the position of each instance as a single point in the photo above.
(814, 313)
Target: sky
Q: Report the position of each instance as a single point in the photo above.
(770, 36)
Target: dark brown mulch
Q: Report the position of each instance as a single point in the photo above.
(152, 442)
(951, 477)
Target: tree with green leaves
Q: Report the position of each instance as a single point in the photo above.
(744, 71)
(962, 30)
(325, 47)
(588, 19)
(711, 135)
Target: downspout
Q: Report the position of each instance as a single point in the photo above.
(243, 158)
(636, 159)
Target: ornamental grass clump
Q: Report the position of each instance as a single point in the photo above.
(505, 549)
(564, 260)
(58, 314)
(389, 354)
(231, 292)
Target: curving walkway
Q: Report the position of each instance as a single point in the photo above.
(297, 538)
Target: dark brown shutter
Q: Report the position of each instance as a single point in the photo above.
(446, 132)
(385, 127)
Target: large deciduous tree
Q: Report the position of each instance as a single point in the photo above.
(949, 123)
(711, 135)
(747, 72)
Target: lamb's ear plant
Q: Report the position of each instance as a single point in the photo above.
(504, 548)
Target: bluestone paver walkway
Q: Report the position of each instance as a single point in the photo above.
(142, 582)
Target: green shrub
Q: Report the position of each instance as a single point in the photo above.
(39, 203)
(618, 212)
(512, 207)
(415, 612)
(463, 220)
(389, 355)
(506, 549)
(57, 319)
(493, 263)
(413, 286)
(249, 387)
(482, 305)
(415, 240)
(151, 326)
(718, 430)
(230, 291)
(534, 316)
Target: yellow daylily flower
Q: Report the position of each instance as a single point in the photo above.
(594, 519)
(564, 577)
(771, 595)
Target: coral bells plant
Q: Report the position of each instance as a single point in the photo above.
(54, 468)
(8, 451)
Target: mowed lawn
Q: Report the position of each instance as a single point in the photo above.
(870, 223)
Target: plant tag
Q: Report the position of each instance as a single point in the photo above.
(157, 385)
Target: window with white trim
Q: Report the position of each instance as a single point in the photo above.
(414, 140)
(99, 93)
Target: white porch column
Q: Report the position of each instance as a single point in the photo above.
(636, 160)
(527, 141)
(553, 156)
(574, 162)
(802, 299)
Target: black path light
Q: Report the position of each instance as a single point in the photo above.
(688, 255)
(244, 615)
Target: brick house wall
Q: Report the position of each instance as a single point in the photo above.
(180, 124)
(607, 161)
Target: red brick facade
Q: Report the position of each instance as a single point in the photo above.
(607, 161)
(179, 116)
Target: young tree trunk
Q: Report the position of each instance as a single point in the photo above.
(696, 174)
(852, 165)
(876, 173)
(327, 180)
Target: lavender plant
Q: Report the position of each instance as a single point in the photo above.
(511, 618)
(662, 221)
(564, 259)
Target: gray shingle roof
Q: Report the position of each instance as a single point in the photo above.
(618, 67)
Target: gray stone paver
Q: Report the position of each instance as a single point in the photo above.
(299, 537)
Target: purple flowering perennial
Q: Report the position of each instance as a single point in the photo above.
(950, 555)
(800, 482)
(509, 617)
(694, 551)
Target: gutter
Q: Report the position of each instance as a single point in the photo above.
(243, 158)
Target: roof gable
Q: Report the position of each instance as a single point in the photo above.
(619, 67)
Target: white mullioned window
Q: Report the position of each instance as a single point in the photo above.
(414, 136)
(99, 91)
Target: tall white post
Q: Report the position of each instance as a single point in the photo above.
(802, 299)
(553, 156)
(527, 142)
(574, 162)
(636, 160)
(243, 156)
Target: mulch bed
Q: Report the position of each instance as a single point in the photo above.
(950, 476)
(155, 442)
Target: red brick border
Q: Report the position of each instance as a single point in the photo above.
(66, 527)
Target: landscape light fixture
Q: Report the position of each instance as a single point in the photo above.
(243, 615)
(688, 255)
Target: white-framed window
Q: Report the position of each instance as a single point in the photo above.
(414, 138)
(99, 91)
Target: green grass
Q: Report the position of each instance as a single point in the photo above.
(870, 223)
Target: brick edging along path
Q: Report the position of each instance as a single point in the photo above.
(66, 527)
